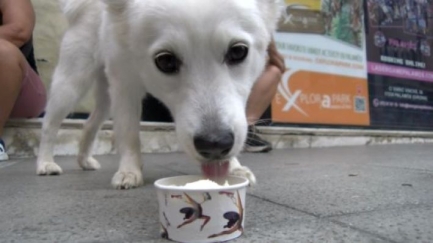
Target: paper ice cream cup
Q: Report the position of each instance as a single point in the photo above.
(201, 215)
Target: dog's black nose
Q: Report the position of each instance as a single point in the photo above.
(214, 147)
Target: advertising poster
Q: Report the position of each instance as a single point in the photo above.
(323, 44)
(400, 64)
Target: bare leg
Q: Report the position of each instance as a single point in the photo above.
(259, 100)
(206, 220)
(12, 68)
(262, 93)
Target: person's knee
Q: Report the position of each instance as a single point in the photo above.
(10, 54)
(274, 74)
(12, 60)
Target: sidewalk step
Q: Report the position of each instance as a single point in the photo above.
(22, 138)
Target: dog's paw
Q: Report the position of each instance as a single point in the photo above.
(48, 168)
(89, 164)
(124, 180)
(245, 172)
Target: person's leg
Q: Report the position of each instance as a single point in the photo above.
(263, 93)
(12, 72)
(12, 68)
(260, 98)
(22, 93)
(32, 98)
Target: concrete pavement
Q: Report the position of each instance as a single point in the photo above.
(354, 194)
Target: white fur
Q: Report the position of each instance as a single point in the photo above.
(112, 43)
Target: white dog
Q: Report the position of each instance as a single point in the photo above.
(200, 58)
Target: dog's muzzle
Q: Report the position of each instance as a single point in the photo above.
(215, 148)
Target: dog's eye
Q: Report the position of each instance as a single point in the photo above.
(237, 54)
(167, 63)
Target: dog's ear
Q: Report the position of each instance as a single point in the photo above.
(116, 5)
(271, 12)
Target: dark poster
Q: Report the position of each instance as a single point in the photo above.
(400, 103)
(400, 64)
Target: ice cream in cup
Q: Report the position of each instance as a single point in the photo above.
(194, 209)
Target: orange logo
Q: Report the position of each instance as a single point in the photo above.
(318, 98)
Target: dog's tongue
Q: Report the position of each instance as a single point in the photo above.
(215, 170)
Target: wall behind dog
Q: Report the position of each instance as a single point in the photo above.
(49, 29)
